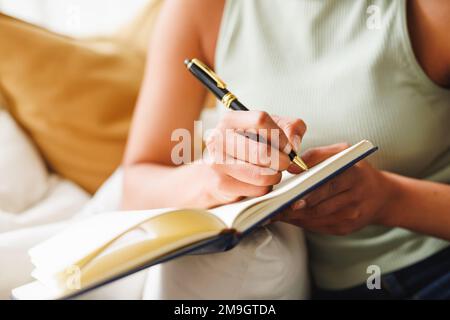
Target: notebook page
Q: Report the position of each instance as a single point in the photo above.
(70, 246)
(229, 213)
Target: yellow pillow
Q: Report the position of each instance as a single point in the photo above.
(75, 98)
(2, 101)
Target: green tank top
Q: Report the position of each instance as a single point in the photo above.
(349, 78)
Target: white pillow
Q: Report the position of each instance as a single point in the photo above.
(62, 201)
(107, 198)
(23, 174)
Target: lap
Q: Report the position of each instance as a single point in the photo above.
(270, 263)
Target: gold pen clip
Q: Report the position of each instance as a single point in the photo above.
(210, 73)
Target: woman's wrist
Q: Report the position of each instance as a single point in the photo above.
(418, 205)
(182, 186)
(392, 213)
(195, 180)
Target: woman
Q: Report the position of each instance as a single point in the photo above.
(348, 69)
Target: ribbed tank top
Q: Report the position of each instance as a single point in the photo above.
(329, 63)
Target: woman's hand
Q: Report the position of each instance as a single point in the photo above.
(242, 166)
(347, 203)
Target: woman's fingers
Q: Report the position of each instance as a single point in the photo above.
(343, 182)
(259, 153)
(293, 128)
(227, 189)
(318, 155)
(329, 206)
(258, 123)
(315, 156)
(248, 151)
(237, 146)
(249, 173)
(344, 214)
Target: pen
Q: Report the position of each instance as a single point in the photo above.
(214, 84)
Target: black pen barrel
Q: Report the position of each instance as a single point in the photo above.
(207, 81)
(236, 105)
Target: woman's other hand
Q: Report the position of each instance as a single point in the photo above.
(345, 204)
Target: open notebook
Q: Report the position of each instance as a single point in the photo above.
(109, 246)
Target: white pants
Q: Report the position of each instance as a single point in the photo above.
(270, 263)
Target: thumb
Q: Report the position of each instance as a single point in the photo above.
(315, 156)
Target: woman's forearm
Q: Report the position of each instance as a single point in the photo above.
(419, 205)
(148, 186)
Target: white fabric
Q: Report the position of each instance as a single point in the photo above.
(61, 201)
(15, 266)
(31, 202)
(271, 263)
(23, 175)
(75, 17)
(63, 204)
(108, 198)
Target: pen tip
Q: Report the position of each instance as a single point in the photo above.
(299, 162)
(187, 61)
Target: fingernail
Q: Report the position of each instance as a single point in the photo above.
(299, 205)
(297, 143)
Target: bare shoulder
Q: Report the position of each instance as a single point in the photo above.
(202, 17)
(430, 25)
(436, 13)
(188, 8)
